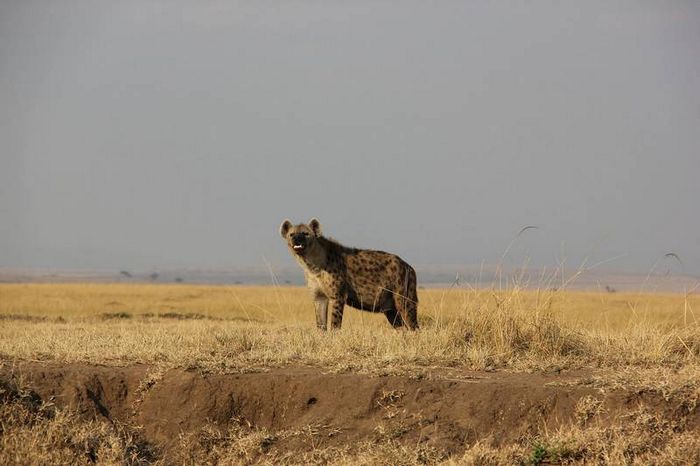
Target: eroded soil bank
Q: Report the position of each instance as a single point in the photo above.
(446, 411)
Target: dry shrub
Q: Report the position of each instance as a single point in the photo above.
(239, 445)
(587, 408)
(511, 335)
(639, 437)
(34, 432)
(244, 445)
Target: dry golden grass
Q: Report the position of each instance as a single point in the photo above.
(292, 304)
(239, 328)
(647, 342)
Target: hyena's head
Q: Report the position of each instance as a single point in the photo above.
(302, 237)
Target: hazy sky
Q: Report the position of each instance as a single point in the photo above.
(147, 134)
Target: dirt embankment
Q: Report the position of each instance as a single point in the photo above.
(448, 412)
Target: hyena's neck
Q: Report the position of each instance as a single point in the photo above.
(315, 260)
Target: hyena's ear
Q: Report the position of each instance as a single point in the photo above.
(315, 226)
(284, 228)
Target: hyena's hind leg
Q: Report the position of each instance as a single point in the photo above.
(386, 303)
(411, 320)
(407, 298)
(394, 317)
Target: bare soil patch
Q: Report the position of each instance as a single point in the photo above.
(445, 412)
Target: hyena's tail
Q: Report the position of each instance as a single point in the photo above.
(407, 301)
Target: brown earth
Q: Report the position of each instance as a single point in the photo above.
(447, 411)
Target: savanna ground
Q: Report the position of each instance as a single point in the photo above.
(189, 374)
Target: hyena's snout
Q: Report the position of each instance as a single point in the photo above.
(299, 242)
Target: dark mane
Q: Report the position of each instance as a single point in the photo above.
(332, 246)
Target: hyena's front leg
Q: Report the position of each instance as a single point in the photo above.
(321, 305)
(337, 306)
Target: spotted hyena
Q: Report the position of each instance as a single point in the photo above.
(373, 281)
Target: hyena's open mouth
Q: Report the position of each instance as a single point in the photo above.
(299, 248)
